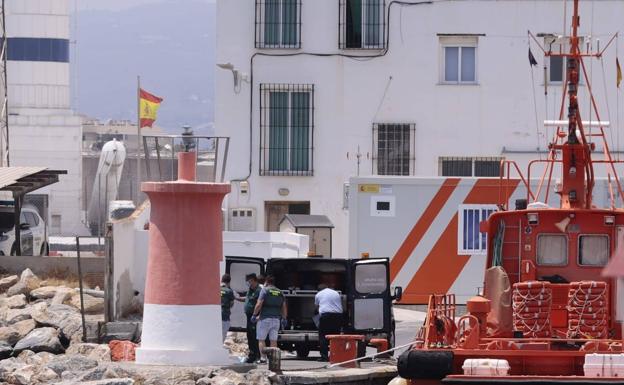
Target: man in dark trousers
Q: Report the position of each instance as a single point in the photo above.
(250, 304)
(329, 307)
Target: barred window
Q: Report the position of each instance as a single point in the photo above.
(286, 129)
(278, 23)
(455, 166)
(394, 148)
(471, 240)
(362, 24)
(469, 166)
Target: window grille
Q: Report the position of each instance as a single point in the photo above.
(469, 166)
(362, 24)
(286, 129)
(470, 238)
(455, 166)
(278, 24)
(394, 148)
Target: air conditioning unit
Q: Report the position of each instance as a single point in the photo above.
(242, 219)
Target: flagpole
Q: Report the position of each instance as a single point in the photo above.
(138, 154)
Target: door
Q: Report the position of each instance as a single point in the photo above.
(26, 235)
(37, 233)
(274, 212)
(370, 295)
(238, 268)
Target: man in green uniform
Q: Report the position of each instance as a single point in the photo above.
(270, 309)
(227, 301)
(250, 303)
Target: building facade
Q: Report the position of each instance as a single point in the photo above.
(43, 130)
(327, 89)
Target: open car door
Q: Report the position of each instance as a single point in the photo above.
(238, 268)
(370, 291)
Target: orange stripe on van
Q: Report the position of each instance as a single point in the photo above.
(422, 225)
(443, 265)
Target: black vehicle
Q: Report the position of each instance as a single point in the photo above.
(364, 285)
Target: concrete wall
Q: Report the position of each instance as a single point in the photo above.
(494, 117)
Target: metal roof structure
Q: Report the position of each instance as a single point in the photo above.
(302, 220)
(22, 180)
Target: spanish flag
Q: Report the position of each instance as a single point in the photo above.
(618, 71)
(149, 105)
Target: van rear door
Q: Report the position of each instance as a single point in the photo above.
(370, 293)
(238, 268)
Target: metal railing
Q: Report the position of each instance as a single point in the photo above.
(161, 160)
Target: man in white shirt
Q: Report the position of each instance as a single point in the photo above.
(329, 306)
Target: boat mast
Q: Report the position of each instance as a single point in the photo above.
(578, 174)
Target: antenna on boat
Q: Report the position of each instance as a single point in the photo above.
(572, 148)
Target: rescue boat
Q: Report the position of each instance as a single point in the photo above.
(547, 314)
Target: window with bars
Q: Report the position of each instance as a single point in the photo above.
(459, 59)
(362, 24)
(394, 148)
(286, 129)
(278, 23)
(469, 166)
(470, 238)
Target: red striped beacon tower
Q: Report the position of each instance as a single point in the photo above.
(182, 312)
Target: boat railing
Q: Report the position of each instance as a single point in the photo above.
(506, 168)
(440, 317)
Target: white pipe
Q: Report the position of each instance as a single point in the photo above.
(586, 123)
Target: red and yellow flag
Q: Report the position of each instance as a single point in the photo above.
(149, 105)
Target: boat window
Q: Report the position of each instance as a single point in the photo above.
(370, 278)
(593, 250)
(552, 249)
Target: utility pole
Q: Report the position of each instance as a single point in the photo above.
(4, 113)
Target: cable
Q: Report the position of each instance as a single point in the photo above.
(316, 54)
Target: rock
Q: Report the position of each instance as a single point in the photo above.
(61, 295)
(28, 357)
(101, 353)
(228, 377)
(72, 363)
(16, 315)
(63, 317)
(44, 339)
(7, 282)
(260, 377)
(47, 292)
(8, 366)
(111, 381)
(6, 350)
(98, 373)
(9, 335)
(91, 304)
(27, 282)
(24, 327)
(30, 374)
(122, 350)
(13, 302)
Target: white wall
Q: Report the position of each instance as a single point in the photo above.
(403, 86)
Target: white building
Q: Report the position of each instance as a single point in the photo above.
(43, 130)
(326, 89)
